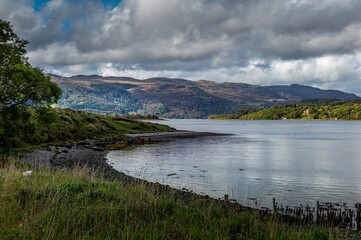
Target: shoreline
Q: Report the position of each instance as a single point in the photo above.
(165, 136)
(92, 154)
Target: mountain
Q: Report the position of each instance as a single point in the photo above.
(178, 98)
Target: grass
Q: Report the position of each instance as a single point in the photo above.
(71, 126)
(78, 124)
(77, 205)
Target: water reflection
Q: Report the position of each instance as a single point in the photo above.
(294, 161)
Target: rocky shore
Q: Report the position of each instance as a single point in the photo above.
(92, 155)
(89, 153)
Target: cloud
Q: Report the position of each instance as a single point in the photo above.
(256, 41)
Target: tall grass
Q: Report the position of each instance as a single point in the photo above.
(77, 205)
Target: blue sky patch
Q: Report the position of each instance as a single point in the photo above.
(39, 4)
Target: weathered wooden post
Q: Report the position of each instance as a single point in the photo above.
(157, 189)
(358, 213)
(226, 199)
(318, 212)
(329, 216)
(274, 206)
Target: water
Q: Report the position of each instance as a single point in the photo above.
(296, 162)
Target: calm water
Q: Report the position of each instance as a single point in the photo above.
(294, 161)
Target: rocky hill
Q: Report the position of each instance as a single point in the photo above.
(178, 98)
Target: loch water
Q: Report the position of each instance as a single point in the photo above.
(296, 162)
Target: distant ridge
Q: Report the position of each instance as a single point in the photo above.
(178, 98)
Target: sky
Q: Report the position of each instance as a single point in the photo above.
(262, 42)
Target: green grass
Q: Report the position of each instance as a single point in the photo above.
(60, 205)
(78, 124)
(65, 125)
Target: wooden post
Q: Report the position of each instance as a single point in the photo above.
(157, 192)
(358, 213)
(274, 206)
(329, 216)
(226, 200)
(318, 212)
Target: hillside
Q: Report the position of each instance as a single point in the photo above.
(68, 126)
(178, 98)
(307, 110)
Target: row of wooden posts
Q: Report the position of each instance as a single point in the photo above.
(325, 214)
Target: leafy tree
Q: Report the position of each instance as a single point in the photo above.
(25, 92)
(12, 47)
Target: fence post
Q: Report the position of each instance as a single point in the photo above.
(274, 206)
(226, 200)
(358, 213)
(317, 212)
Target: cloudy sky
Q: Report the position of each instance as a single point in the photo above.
(262, 42)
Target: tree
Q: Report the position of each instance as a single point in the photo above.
(22, 87)
(12, 48)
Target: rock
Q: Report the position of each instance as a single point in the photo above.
(27, 173)
(97, 149)
(51, 148)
